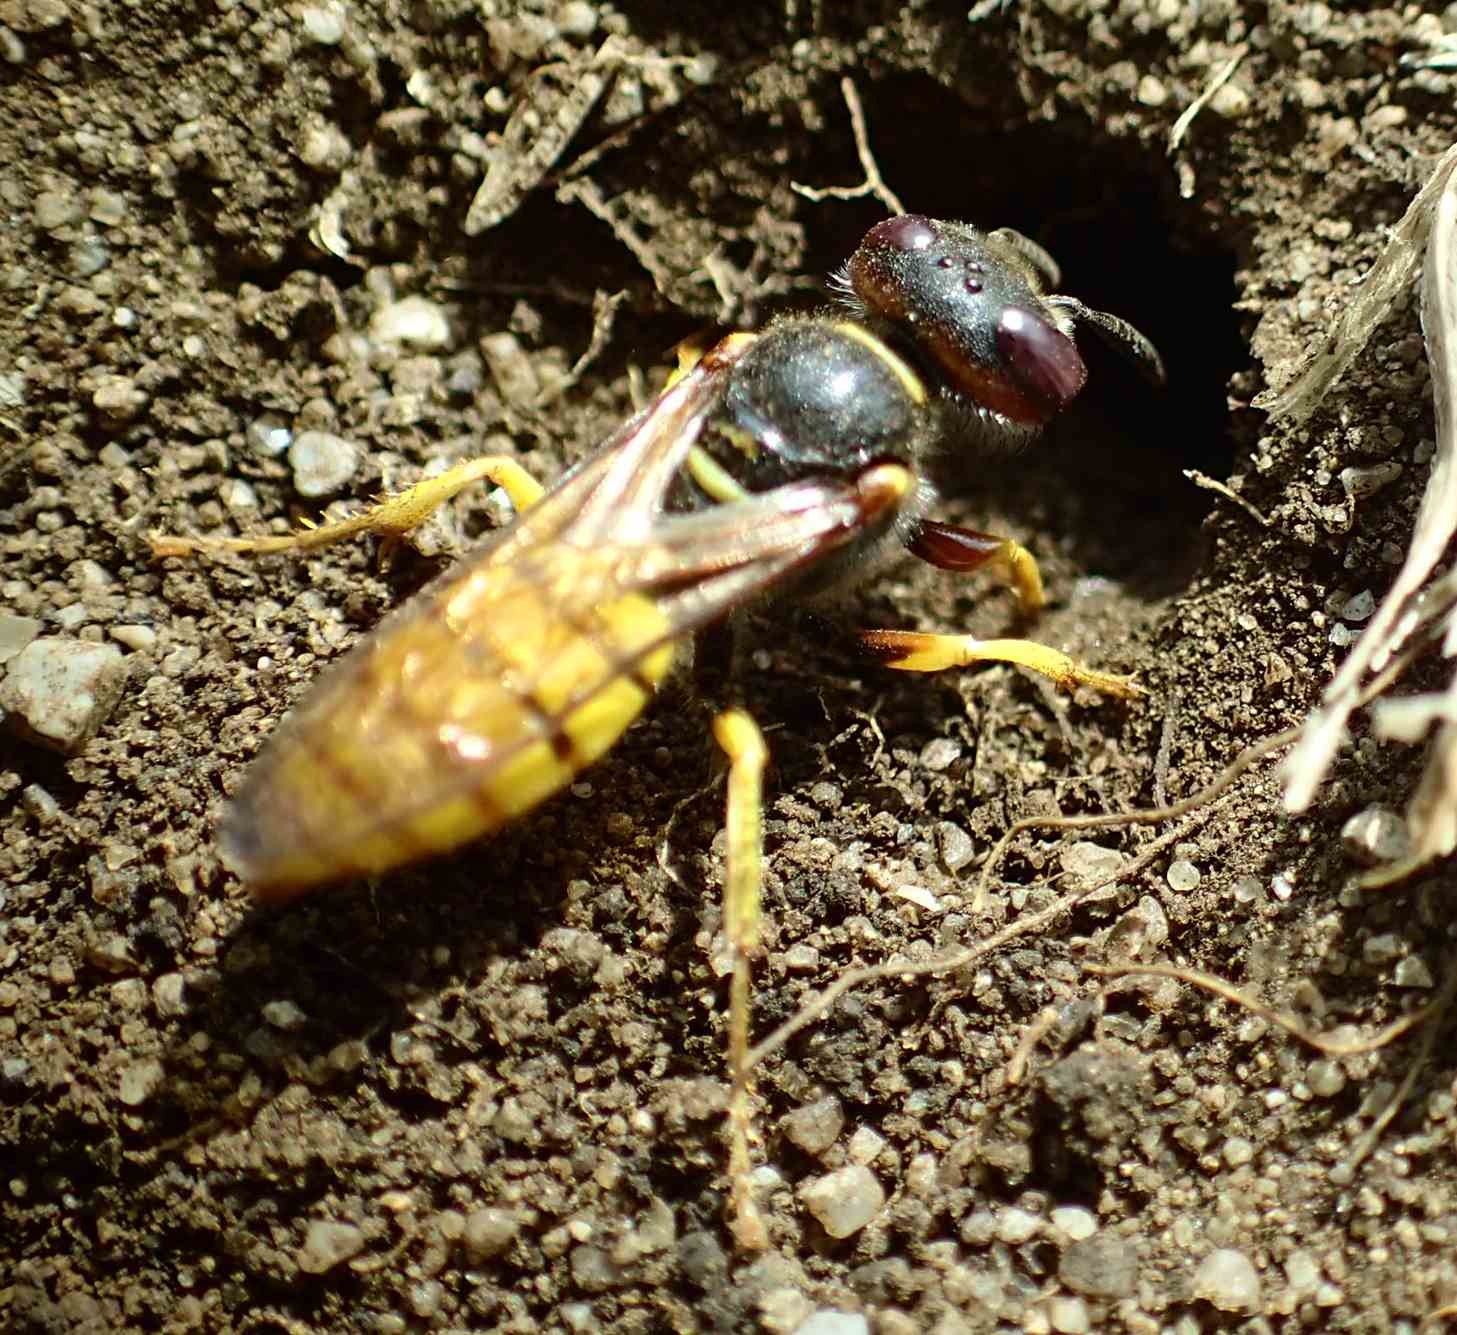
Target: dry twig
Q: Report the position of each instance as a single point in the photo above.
(874, 183)
(1427, 234)
(1195, 810)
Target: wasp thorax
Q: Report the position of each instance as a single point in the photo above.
(949, 291)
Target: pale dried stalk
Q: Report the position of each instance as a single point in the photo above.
(1431, 219)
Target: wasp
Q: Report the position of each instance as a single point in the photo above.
(776, 462)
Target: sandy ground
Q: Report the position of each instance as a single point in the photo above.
(488, 1093)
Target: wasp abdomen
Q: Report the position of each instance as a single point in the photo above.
(485, 700)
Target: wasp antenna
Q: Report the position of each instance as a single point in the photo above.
(1119, 335)
(1029, 250)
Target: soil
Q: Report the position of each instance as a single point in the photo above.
(488, 1092)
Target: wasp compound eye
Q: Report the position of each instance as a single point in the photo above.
(945, 290)
(1040, 360)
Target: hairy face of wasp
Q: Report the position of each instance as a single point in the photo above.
(972, 303)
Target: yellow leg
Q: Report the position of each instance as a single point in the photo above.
(913, 651)
(743, 743)
(391, 518)
(1016, 566)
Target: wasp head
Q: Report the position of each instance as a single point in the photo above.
(974, 303)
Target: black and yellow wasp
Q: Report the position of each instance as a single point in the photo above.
(775, 462)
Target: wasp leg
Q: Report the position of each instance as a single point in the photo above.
(743, 744)
(951, 547)
(915, 651)
(391, 518)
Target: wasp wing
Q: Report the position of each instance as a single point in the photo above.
(495, 686)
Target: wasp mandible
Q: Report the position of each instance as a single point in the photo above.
(776, 462)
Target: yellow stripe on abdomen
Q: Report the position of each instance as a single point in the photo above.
(448, 726)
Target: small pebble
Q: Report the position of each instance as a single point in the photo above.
(1016, 1226)
(578, 1319)
(844, 1201)
(326, 1244)
(1237, 1151)
(1101, 1266)
(940, 753)
(128, 995)
(511, 368)
(826, 795)
(954, 845)
(1382, 949)
(268, 435)
(1143, 929)
(814, 1127)
(323, 24)
(169, 996)
(1302, 1272)
(38, 802)
(1230, 101)
(489, 1231)
(1359, 606)
(1413, 972)
(119, 400)
(61, 691)
(1325, 1078)
(237, 496)
(577, 18)
(1387, 117)
(322, 462)
(16, 633)
(426, 1297)
(138, 638)
(325, 148)
(284, 1015)
(1068, 1316)
(1151, 93)
(1182, 875)
(1227, 1279)
(1086, 863)
(54, 209)
(1074, 1222)
(1362, 482)
(140, 1081)
(90, 256)
(834, 1323)
(979, 1228)
(593, 1269)
(413, 322)
(920, 897)
(107, 208)
(1374, 836)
